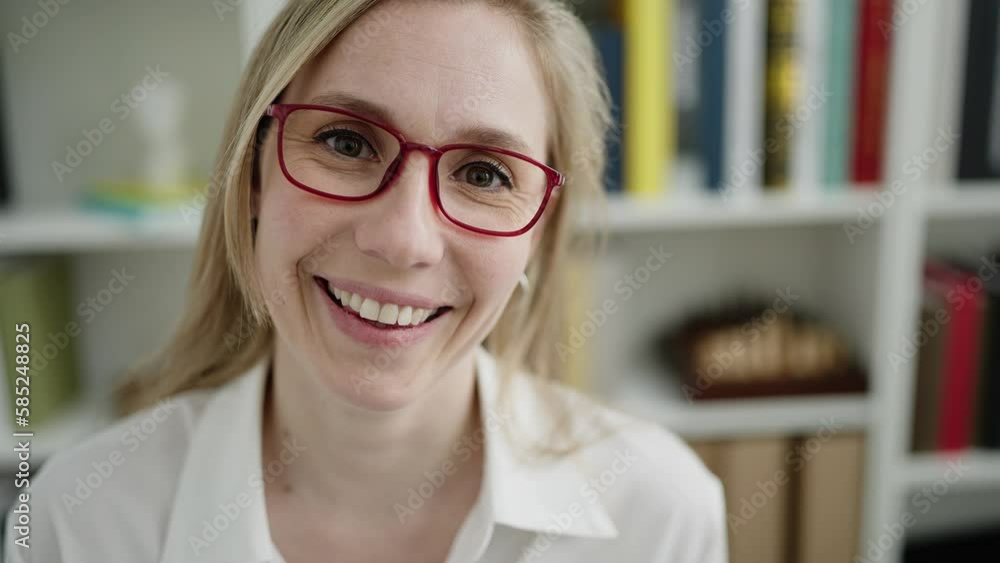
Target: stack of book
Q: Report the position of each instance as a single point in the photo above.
(740, 96)
(791, 498)
(957, 399)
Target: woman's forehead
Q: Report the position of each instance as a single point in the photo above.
(437, 69)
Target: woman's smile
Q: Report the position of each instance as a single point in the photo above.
(378, 317)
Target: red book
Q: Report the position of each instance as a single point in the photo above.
(871, 90)
(963, 293)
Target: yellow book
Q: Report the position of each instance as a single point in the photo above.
(649, 107)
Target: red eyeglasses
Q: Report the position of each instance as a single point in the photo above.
(338, 154)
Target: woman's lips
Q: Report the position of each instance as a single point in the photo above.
(371, 334)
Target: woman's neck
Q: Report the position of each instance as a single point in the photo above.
(364, 464)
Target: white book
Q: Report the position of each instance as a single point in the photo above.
(812, 104)
(950, 47)
(743, 162)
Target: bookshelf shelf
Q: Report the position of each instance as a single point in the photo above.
(84, 418)
(690, 212)
(75, 230)
(656, 399)
(969, 200)
(979, 469)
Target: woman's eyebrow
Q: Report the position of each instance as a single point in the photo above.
(476, 134)
(355, 104)
(482, 135)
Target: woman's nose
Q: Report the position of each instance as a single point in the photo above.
(401, 225)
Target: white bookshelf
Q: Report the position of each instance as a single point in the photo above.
(652, 396)
(975, 200)
(980, 470)
(687, 211)
(869, 290)
(69, 230)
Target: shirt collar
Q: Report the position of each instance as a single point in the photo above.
(534, 496)
(219, 512)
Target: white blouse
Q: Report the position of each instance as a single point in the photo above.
(183, 482)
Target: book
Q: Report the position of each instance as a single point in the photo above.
(610, 45)
(871, 90)
(758, 485)
(781, 91)
(810, 103)
(950, 68)
(743, 127)
(926, 411)
(36, 292)
(6, 174)
(828, 514)
(836, 142)
(713, 88)
(978, 98)
(649, 133)
(988, 423)
(961, 354)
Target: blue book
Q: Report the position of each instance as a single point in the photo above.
(610, 44)
(712, 87)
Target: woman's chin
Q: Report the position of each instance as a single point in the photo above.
(381, 391)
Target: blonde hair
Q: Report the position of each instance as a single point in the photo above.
(225, 327)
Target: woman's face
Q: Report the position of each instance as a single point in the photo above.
(440, 74)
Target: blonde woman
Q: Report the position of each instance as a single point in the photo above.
(358, 375)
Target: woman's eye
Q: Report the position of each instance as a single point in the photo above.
(348, 143)
(484, 175)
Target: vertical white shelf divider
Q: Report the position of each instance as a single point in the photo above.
(903, 230)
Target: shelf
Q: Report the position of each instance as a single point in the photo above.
(926, 469)
(80, 421)
(75, 230)
(652, 397)
(968, 200)
(693, 211)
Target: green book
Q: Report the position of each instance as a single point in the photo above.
(840, 81)
(36, 292)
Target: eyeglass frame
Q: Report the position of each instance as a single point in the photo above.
(555, 179)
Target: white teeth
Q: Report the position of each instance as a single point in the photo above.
(369, 310)
(405, 315)
(388, 313)
(356, 301)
